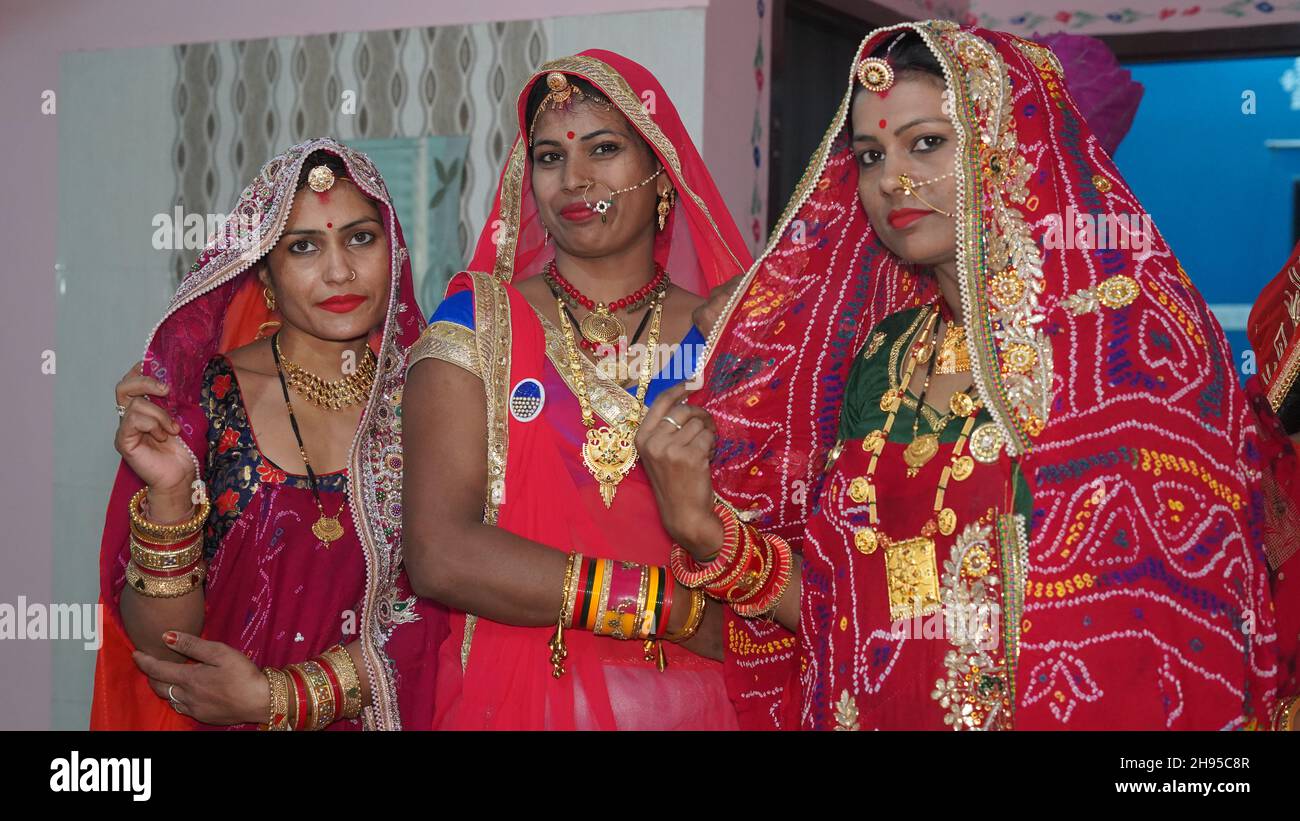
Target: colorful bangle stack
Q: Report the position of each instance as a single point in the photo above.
(314, 694)
(166, 560)
(621, 600)
(751, 572)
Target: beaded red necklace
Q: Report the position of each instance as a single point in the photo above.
(600, 326)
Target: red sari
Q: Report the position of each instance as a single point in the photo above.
(1274, 333)
(274, 591)
(495, 675)
(1133, 590)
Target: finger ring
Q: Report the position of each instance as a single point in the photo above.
(673, 422)
(121, 411)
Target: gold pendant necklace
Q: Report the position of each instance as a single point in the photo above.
(602, 327)
(911, 565)
(326, 528)
(352, 389)
(610, 451)
(954, 355)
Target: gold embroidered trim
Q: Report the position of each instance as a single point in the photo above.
(492, 315)
(974, 691)
(448, 342)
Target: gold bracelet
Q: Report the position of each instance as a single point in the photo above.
(165, 588)
(694, 618)
(184, 556)
(1284, 713)
(322, 694)
(278, 719)
(338, 660)
(152, 531)
(570, 589)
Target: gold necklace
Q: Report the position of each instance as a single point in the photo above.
(911, 565)
(326, 528)
(610, 451)
(954, 356)
(335, 394)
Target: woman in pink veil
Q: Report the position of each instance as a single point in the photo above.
(255, 521)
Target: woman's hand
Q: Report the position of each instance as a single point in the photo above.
(675, 441)
(149, 441)
(706, 315)
(223, 688)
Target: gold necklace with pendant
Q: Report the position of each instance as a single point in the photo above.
(326, 528)
(610, 451)
(911, 565)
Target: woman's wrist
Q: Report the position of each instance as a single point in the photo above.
(168, 505)
(702, 537)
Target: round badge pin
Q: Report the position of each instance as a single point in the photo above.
(526, 400)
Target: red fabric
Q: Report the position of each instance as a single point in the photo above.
(216, 308)
(1273, 329)
(506, 682)
(1131, 412)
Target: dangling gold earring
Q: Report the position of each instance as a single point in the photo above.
(269, 296)
(665, 205)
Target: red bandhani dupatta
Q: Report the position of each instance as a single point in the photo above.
(1274, 333)
(219, 307)
(504, 679)
(1105, 374)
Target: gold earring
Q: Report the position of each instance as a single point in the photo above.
(665, 205)
(269, 296)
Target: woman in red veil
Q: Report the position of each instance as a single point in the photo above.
(1022, 479)
(606, 232)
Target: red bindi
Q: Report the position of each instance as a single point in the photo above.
(329, 225)
(570, 135)
(882, 123)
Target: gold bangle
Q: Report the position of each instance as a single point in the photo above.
(340, 661)
(1284, 713)
(165, 588)
(322, 694)
(278, 718)
(694, 618)
(308, 717)
(148, 558)
(570, 589)
(152, 531)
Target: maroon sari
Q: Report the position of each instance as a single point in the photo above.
(274, 591)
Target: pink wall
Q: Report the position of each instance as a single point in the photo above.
(32, 37)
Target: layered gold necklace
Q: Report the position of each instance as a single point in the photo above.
(336, 394)
(911, 566)
(610, 451)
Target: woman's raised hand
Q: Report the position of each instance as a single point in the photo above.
(676, 442)
(708, 313)
(149, 439)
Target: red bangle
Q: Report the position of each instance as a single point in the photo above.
(296, 719)
(776, 582)
(694, 574)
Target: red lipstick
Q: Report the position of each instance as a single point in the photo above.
(900, 218)
(342, 303)
(578, 212)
